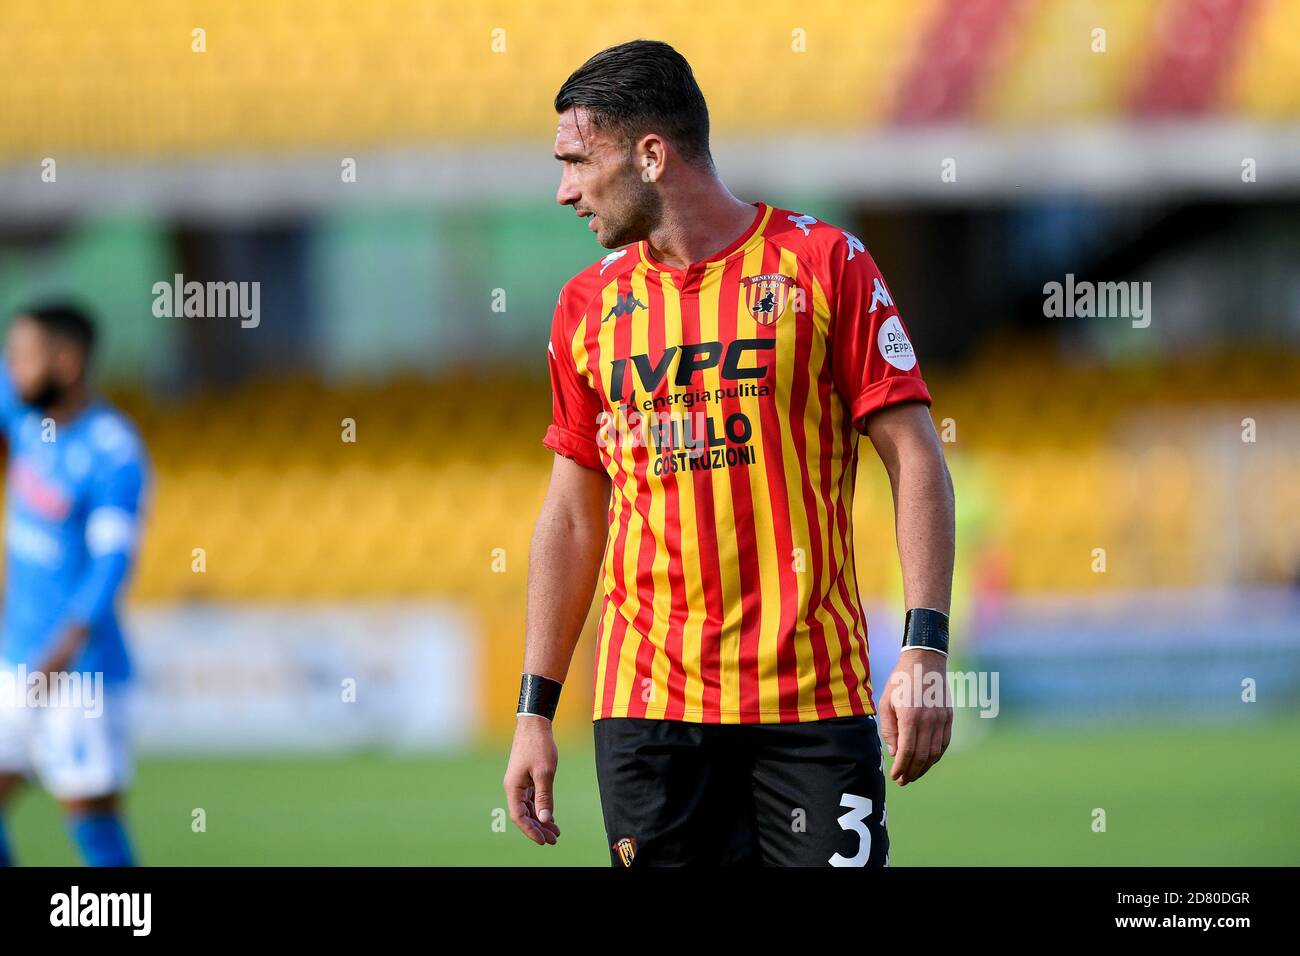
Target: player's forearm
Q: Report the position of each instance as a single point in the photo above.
(98, 591)
(66, 648)
(926, 527)
(562, 566)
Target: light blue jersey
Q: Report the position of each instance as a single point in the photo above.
(72, 521)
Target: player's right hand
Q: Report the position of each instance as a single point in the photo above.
(530, 780)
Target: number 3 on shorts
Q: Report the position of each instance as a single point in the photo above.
(856, 819)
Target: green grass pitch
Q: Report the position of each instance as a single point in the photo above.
(1180, 795)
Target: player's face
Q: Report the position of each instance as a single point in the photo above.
(39, 367)
(600, 180)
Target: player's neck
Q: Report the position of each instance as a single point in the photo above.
(70, 404)
(700, 219)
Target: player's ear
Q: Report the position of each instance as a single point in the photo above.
(650, 156)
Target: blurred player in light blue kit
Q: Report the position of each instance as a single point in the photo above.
(76, 476)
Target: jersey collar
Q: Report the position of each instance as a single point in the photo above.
(750, 235)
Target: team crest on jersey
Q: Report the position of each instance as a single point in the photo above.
(626, 850)
(766, 296)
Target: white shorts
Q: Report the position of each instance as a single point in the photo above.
(77, 749)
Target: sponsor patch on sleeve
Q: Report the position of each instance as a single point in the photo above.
(895, 346)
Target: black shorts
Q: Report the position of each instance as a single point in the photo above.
(806, 794)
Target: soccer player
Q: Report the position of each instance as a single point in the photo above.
(710, 377)
(77, 470)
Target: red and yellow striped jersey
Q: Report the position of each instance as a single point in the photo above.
(724, 402)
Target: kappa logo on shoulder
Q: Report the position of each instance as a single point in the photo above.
(626, 850)
(610, 259)
(802, 221)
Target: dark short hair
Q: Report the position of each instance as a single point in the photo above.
(66, 321)
(639, 87)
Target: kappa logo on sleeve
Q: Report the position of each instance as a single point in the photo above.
(879, 295)
(895, 346)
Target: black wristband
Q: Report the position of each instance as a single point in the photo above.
(538, 695)
(926, 627)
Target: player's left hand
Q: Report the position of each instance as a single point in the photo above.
(530, 780)
(916, 714)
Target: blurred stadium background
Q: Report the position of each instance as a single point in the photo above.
(383, 170)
